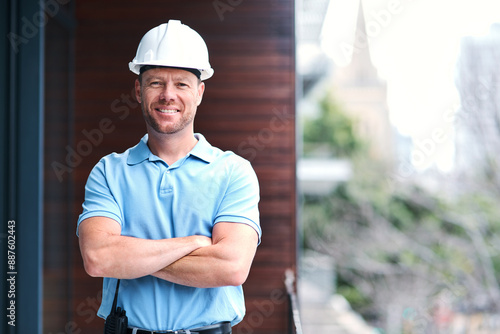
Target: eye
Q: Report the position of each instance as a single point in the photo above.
(182, 84)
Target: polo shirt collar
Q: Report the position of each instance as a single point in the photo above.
(140, 152)
(203, 150)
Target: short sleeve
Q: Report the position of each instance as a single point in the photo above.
(99, 200)
(241, 199)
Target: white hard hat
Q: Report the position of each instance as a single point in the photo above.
(173, 44)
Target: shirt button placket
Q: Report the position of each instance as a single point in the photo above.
(166, 184)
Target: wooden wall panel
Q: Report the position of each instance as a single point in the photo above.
(248, 107)
(58, 232)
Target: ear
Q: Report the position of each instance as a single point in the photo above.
(201, 90)
(138, 90)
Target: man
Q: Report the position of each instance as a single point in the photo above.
(173, 217)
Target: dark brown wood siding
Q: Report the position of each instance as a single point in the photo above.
(248, 107)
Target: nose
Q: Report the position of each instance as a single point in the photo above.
(168, 93)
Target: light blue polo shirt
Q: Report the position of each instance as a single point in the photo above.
(153, 200)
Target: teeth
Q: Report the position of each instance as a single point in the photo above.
(167, 111)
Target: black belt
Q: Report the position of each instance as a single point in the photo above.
(221, 328)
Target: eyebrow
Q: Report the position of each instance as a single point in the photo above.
(174, 78)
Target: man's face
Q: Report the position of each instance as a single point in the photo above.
(169, 98)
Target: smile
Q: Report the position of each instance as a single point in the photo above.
(167, 111)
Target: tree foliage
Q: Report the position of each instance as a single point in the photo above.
(332, 130)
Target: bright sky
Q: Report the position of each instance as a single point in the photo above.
(414, 45)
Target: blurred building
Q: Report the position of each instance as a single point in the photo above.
(356, 87)
(478, 120)
(359, 89)
(312, 63)
(314, 67)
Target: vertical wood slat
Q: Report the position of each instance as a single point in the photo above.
(248, 108)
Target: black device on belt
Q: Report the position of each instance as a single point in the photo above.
(117, 321)
(220, 328)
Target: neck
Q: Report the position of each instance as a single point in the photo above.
(171, 147)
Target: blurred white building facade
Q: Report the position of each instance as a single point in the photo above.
(478, 120)
(359, 89)
(356, 87)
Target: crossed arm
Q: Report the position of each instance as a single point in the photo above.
(197, 261)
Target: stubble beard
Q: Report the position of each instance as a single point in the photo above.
(183, 122)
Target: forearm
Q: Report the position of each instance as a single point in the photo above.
(226, 262)
(126, 257)
(204, 268)
(106, 253)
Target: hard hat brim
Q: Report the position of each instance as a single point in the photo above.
(136, 68)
